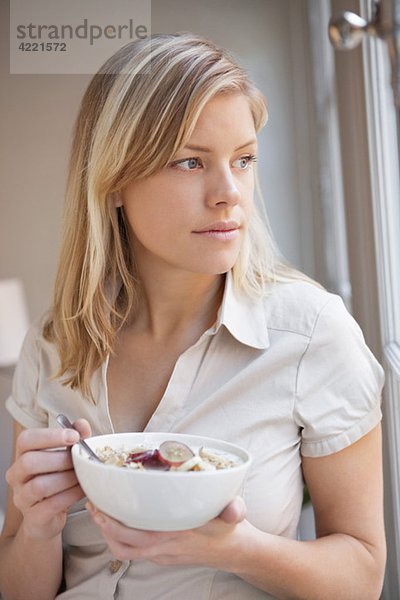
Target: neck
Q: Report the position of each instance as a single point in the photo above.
(170, 303)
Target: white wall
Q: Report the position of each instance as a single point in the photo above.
(37, 112)
(36, 115)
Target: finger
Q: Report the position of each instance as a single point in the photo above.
(129, 536)
(235, 512)
(118, 549)
(63, 500)
(39, 439)
(42, 487)
(126, 543)
(32, 463)
(43, 512)
(122, 551)
(83, 427)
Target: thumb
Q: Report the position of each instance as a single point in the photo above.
(235, 512)
(83, 427)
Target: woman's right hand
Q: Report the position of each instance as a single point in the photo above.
(43, 479)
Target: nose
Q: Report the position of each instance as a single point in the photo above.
(222, 189)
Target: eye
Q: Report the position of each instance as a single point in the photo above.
(187, 164)
(245, 161)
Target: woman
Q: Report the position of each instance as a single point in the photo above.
(173, 312)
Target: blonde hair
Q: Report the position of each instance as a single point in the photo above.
(138, 110)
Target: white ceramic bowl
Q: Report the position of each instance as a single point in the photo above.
(159, 500)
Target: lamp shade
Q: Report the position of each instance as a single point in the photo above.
(13, 320)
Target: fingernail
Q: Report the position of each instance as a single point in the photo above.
(71, 437)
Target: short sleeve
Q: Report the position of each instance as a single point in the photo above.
(339, 384)
(22, 404)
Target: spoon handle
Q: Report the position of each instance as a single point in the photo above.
(66, 423)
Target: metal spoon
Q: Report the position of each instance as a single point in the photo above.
(66, 423)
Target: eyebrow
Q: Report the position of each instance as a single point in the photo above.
(204, 149)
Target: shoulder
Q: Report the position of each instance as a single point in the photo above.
(35, 347)
(35, 331)
(297, 307)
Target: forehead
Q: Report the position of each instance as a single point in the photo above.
(225, 114)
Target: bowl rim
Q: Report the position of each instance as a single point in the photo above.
(80, 454)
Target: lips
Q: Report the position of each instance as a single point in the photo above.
(219, 226)
(220, 231)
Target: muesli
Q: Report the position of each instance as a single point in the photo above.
(170, 456)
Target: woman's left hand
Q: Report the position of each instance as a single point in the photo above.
(209, 545)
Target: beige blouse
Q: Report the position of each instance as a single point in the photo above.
(286, 376)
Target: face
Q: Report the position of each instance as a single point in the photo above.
(192, 215)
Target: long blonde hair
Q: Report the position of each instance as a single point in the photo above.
(138, 110)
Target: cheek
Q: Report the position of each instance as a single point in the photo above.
(247, 203)
(155, 224)
(247, 188)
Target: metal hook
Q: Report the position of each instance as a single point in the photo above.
(346, 30)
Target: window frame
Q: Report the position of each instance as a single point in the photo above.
(384, 160)
(368, 131)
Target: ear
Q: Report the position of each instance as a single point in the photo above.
(116, 199)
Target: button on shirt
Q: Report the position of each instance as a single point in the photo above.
(285, 376)
(115, 565)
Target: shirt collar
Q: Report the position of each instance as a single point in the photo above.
(244, 317)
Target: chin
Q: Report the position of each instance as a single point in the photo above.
(210, 263)
(214, 268)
